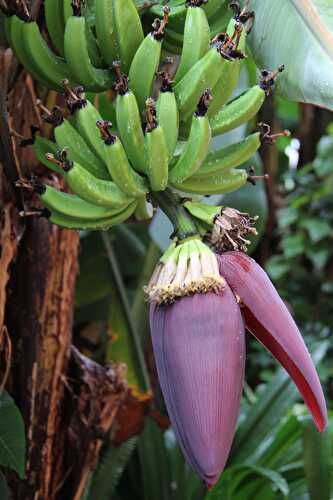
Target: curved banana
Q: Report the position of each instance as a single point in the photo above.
(167, 114)
(196, 147)
(88, 187)
(145, 62)
(156, 150)
(80, 223)
(129, 124)
(77, 55)
(203, 75)
(119, 30)
(70, 205)
(94, 51)
(172, 45)
(14, 25)
(118, 165)
(53, 69)
(177, 16)
(215, 184)
(246, 106)
(178, 12)
(41, 147)
(220, 20)
(212, 8)
(67, 9)
(67, 137)
(219, 161)
(196, 38)
(85, 121)
(54, 17)
(228, 80)
(144, 209)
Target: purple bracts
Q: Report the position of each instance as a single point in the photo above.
(199, 349)
(269, 320)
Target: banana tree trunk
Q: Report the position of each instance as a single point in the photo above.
(67, 401)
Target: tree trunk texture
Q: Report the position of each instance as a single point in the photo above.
(67, 401)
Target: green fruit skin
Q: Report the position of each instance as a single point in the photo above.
(157, 159)
(70, 205)
(196, 40)
(130, 130)
(229, 157)
(168, 118)
(218, 184)
(195, 150)
(143, 69)
(93, 190)
(101, 224)
(203, 75)
(238, 111)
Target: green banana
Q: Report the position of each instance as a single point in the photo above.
(221, 160)
(129, 124)
(167, 114)
(88, 187)
(70, 205)
(227, 82)
(215, 184)
(212, 7)
(178, 12)
(119, 30)
(203, 75)
(67, 10)
(67, 137)
(87, 224)
(221, 20)
(43, 61)
(144, 209)
(196, 147)
(94, 51)
(77, 55)
(145, 62)
(156, 150)
(54, 17)
(196, 38)
(176, 19)
(245, 106)
(85, 120)
(118, 165)
(169, 45)
(41, 147)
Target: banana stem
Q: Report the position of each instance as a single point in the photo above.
(182, 222)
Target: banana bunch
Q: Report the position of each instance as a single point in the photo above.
(162, 122)
(113, 169)
(85, 37)
(212, 18)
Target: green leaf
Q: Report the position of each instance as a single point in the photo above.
(287, 216)
(317, 228)
(317, 458)
(274, 477)
(153, 461)
(239, 483)
(109, 470)
(306, 47)
(277, 266)
(12, 437)
(293, 245)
